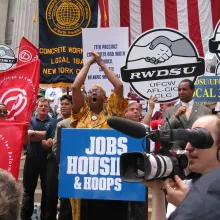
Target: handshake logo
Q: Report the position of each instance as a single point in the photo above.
(214, 45)
(159, 50)
(158, 60)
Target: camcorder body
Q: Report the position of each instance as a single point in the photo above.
(143, 166)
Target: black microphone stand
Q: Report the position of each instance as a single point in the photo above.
(147, 150)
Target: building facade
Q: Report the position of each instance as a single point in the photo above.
(16, 21)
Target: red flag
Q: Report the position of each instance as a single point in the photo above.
(27, 52)
(11, 147)
(19, 89)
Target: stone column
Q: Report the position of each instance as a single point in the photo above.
(23, 23)
(10, 22)
(3, 19)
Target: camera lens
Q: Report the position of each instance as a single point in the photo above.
(158, 166)
(140, 167)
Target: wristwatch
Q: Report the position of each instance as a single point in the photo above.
(33, 133)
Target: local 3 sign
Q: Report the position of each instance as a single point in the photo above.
(89, 165)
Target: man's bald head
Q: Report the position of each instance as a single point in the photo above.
(212, 124)
(205, 160)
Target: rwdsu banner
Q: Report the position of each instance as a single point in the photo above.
(19, 89)
(10, 147)
(60, 42)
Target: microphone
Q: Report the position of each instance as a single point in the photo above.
(128, 127)
(198, 137)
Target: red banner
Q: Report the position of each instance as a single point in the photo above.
(11, 139)
(19, 89)
(27, 52)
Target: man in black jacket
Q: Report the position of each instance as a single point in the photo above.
(52, 163)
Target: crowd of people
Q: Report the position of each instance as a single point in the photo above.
(75, 108)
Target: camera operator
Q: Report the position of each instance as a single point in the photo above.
(203, 199)
(185, 113)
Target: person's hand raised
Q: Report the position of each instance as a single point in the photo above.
(152, 101)
(97, 57)
(92, 59)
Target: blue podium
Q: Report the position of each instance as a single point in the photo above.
(89, 165)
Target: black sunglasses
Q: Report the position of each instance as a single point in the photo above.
(5, 112)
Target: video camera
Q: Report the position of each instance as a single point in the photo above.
(142, 166)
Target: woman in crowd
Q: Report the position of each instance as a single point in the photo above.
(94, 114)
(3, 111)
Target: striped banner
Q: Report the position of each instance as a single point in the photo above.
(194, 18)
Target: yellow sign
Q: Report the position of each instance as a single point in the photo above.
(68, 17)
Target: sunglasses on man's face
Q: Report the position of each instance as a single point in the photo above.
(5, 112)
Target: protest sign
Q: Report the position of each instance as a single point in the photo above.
(207, 89)
(60, 39)
(7, 57)
(158, 60)
(89, 165)
(112, 45)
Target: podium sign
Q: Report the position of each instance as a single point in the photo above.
(90, 165)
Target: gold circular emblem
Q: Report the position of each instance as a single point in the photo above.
(68, 17)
